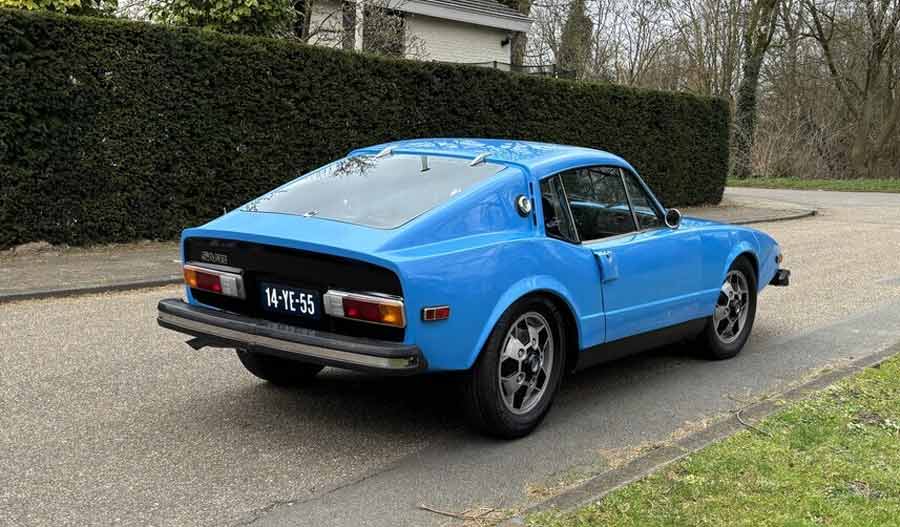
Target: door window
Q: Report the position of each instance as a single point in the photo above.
(598, 202)
(557, 222)
(644, 208)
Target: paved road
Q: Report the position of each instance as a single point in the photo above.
(106, 419)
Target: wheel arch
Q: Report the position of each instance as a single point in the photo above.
(570, 325)
(537, 287)
(742, 249)
(750, 257)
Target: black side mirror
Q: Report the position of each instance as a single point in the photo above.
(673, 218)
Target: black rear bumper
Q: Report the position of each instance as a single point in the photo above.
(782, 278)
(227, 330)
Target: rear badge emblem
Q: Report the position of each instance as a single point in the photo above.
(216, 258)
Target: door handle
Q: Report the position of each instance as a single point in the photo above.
(609, 270)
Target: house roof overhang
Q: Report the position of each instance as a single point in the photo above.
(487, 13)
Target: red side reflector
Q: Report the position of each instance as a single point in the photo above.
(430, 314)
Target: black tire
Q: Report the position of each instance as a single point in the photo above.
(714, 347)
(278, 371)
(483, 401)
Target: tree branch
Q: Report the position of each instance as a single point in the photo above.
(825, 45)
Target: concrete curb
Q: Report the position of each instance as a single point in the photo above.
(38, 294)
(781, 217)
(595, 488)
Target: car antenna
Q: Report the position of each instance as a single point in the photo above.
(384, 153)
(479, 159)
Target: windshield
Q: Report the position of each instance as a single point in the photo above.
(383, 192)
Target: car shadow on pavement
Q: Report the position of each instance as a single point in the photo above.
(343, 402)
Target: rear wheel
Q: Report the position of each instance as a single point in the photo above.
(731, 323)
(512, 384)
(278, 371)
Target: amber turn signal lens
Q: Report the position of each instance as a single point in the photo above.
(391, 314)
(190, 278)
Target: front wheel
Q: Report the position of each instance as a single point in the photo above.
(728, 329)
(278, 371)
(512, 384)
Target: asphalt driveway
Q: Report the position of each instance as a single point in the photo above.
(107, 419)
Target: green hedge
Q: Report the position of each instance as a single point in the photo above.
(113, 131)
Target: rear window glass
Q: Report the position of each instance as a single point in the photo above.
(381, 192)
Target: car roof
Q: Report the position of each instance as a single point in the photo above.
(537, 158)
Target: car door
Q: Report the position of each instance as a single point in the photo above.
(650, 274)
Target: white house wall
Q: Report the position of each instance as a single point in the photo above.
(326, 24)
(428, 38)
(450, 41)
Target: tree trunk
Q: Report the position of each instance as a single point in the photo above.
(303, 10)
(861, 151)
(575, 40)
(758, 30)
(745, 118)
(518, 43)
(348, 25)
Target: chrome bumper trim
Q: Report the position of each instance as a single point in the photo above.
(234, 338)
(782, 278)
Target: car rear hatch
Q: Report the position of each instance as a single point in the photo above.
(268, 265)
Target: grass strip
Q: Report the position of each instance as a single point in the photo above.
(833, 459)
(842, 185)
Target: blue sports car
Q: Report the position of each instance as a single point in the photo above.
(510, 262)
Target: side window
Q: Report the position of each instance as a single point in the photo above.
(598, 202)
(646, 212)
(557, 222)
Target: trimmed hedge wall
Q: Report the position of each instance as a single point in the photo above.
(113, 131)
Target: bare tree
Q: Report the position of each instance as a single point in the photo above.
(868, 87)
(759, 26)
(642, 37)
(575, 41)
(542, 46)
(858, 45)
(707, 39)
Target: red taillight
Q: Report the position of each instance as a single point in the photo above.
(214, 281)
(368, 308)
(208, 282)
(359, 309)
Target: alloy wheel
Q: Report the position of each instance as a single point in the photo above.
(526, 363)
(731, 308)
